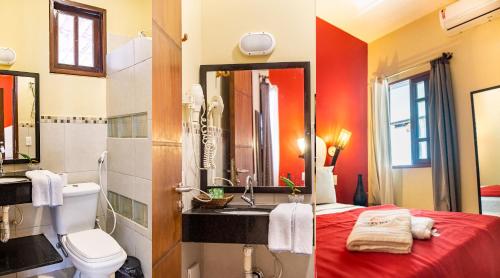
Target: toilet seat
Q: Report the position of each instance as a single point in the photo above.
(93, 246)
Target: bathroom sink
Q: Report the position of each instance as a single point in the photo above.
(12, 180)
(245, 210)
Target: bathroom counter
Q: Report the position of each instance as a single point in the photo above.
(213, 226)
(12, 193)
(24, 253)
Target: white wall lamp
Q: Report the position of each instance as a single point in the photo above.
(257, 43)
(7, 56)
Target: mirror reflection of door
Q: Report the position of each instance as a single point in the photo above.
(241, 136)
(487, 139)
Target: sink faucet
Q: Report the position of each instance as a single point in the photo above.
(2, 152)
(249, 185)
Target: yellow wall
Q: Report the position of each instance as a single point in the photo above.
(475, 65)
(292, 22)
(25, 28)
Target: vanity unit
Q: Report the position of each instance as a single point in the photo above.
(20, 134)
(255, 114)
(233, 224)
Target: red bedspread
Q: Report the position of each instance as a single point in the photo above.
(490, 191)
(469, 246)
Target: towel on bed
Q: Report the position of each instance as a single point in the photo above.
(421, 227)
(382, 231)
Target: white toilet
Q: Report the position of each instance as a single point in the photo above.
(93, 252)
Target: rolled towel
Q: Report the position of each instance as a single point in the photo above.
(421, 227)
(303, 229)
(47, 188)
(280, 228)
(382, 231)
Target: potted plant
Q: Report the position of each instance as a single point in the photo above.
(293, 198)
(31, 166)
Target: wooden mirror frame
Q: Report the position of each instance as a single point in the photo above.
(307, 189)
(36, 76)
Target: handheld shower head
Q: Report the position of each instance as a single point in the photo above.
(102, 157)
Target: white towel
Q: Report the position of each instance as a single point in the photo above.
(421, 227)
(291, 228)
(303, 229)
(280, 228)
(47, 188)
(382, 231)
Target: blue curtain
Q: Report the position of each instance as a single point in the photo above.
(443, 137)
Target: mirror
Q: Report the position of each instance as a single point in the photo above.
(19, 113)
(487, 140)
(255, 116)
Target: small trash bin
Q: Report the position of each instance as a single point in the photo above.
(130, 269)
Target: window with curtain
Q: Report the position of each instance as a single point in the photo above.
(77, 39)
(408, 120)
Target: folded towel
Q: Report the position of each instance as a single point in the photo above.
(280, 228)
(303, 229)
(382, 231)
(291, 228)
(421, 227)
(47, 188)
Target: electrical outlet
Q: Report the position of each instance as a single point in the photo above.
(28, 141)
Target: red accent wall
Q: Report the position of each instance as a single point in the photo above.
(341, 102)
(7, 83)
(290, 84)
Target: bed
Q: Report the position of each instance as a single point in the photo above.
(490, 200)
(468, 246)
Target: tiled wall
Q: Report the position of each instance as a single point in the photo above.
(129, 146)
(71, 147)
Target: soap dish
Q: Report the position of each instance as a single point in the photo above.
(214, 203)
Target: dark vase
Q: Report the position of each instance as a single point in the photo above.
(360, 198)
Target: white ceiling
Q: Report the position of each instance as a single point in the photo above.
(369, 20)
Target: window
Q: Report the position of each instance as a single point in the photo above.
(409, 125)
(77, 39)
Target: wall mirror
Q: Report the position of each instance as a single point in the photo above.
(485, 113)
(19, 114)
(258, 121)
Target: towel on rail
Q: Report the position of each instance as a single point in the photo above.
(47, 188)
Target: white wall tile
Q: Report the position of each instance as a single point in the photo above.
(143, 158)
(121, 155)
(52, 141)
(121, 184)
(120, 93)
(143, 49)
(143, 190)
(120, 58)
(84, 145)
(143, 252)
(143, 87)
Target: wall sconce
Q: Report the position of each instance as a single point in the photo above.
(301, 143)
(7, 56)
(339, 145)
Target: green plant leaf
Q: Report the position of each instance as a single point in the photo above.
(289, 184)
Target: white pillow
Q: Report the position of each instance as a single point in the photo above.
(325, 188)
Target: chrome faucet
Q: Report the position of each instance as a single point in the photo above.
(249, 185)
(2, 152)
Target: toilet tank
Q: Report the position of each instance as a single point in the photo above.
(78, 212)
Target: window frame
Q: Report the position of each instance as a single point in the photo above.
(413, 80)
(75, 9)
